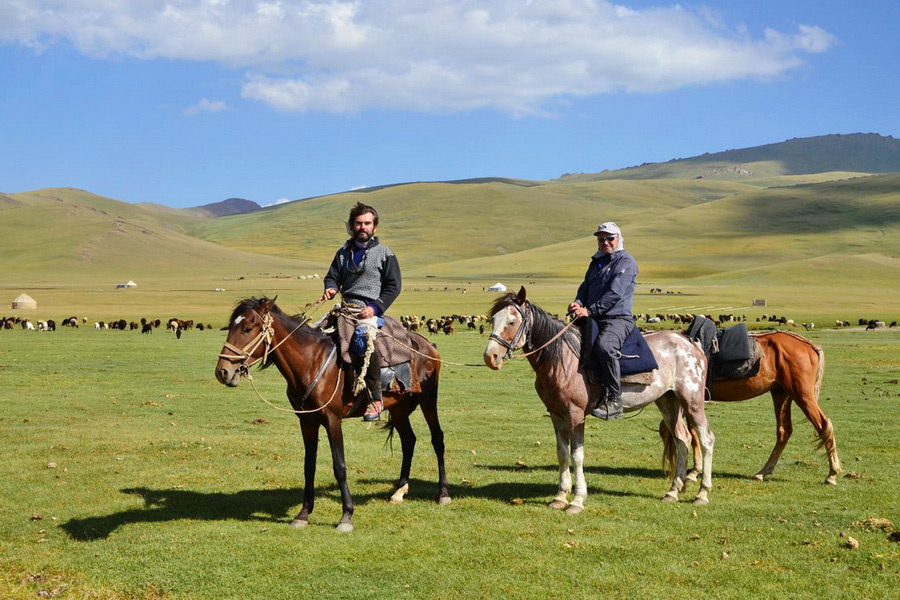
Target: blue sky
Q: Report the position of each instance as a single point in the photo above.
(186, 102)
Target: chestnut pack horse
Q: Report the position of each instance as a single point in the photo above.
(677, 388)
(319, 392)
(791, 370)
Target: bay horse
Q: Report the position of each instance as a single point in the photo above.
(676, 387)
(791, 370)
(319, 390)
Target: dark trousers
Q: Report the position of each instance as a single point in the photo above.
(373, 375)
(608, 335)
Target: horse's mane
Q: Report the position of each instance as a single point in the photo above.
(296, 323)
(544, 328)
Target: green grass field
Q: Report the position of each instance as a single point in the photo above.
(165, 484)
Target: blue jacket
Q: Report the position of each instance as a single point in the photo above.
(608, 286)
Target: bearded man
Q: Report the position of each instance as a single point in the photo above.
(367, 275)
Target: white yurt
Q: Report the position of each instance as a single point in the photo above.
(24, 301)
(497, 287)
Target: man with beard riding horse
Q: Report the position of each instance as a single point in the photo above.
(367, 275)
(606, 297)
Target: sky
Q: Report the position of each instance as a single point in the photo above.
(188, 102)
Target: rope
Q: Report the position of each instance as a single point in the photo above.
(296, 412)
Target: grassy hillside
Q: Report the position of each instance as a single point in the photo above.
(66, 235)
(858, 152)
(430, 224)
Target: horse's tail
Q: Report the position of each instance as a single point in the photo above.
(669, 449)
(389, 426)
(820, 369)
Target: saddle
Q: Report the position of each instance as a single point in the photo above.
(394, 345)
(732, 353)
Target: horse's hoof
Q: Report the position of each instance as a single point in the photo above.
(692, 476)
(299, 523)
(574, 509)
(831, 480)
(558, 504)
(667, 499)
(344, 527)
(758, 477)
(444, 500)
(700, 501)
(399, 493)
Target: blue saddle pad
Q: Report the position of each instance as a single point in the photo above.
(637, 357)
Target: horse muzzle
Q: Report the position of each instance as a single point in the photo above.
(229, 374)
(493, 360)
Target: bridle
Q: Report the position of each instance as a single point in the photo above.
(242, 355)
(265, 336)
(523, 331)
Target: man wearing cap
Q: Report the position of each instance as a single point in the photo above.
(607, 296)
(367, 275)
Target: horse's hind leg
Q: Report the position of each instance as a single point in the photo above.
(428, 403)
(310, 431)
(400, 422)
(707, 441)
(784, 427)
(825, 433)
(563, 445)
(695, 413)
(671, 412)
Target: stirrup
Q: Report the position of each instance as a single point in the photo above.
(373, 413)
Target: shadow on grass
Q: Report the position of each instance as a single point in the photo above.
(268, 506)
(608, 470)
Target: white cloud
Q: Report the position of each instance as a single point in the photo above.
(279, 201)
(436, 56)
(212, 106)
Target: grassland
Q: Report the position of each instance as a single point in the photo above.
(165, 484)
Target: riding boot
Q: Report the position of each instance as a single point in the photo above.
(373, 386)
(609, 406)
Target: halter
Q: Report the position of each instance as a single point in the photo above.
(523, 331)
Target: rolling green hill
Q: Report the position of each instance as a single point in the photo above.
(857, 152)
(72, 236)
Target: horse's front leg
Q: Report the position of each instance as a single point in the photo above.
(577, 504)
(336, 440)
(400, 422)
(563, 442)
(310, 431)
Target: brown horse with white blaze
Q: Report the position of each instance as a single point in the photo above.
(319, 390)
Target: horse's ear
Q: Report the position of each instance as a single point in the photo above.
(266, 305)
(520, 298)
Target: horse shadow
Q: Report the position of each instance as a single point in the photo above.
(164, 505)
